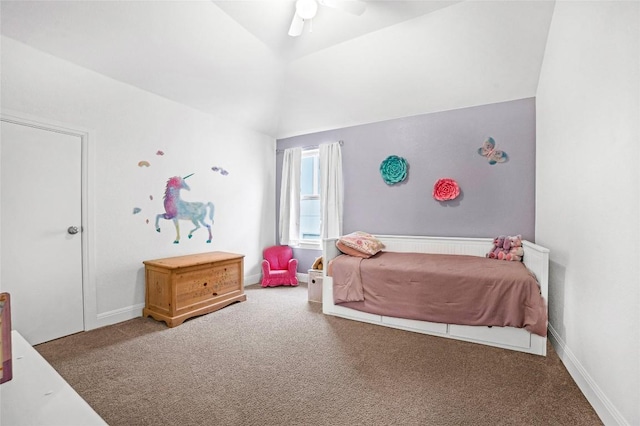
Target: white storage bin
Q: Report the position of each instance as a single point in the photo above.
(315, 285)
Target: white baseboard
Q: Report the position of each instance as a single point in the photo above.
(135, 311)
(598, 400)
(252, 279)
(118, 315)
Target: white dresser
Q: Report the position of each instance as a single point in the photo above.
(38, 395)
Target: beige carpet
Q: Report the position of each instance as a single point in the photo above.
(277, 360)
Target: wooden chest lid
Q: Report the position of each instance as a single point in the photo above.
(193, 259)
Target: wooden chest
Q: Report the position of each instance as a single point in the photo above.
(178, 288)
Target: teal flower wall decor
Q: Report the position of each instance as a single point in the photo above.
(393, 169)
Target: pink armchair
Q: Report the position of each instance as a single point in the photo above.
(279, 267)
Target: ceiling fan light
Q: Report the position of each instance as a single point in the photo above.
(306, 9)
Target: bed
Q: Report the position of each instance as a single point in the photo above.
(536, 261)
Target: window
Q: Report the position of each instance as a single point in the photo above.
(310, 197)
(303, 189)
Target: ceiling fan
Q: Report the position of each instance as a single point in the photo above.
(307, 9)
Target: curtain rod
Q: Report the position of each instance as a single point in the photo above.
(279, 151)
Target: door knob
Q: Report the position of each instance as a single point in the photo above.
(73, 230)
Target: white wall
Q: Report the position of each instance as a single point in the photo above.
(127, 125)
(588, 196)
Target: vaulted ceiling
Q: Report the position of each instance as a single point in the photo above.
(234, 59)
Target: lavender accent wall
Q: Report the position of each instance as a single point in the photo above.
(495, 199)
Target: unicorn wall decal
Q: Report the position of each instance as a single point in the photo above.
(177, 209)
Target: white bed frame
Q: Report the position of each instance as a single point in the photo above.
(536, 259)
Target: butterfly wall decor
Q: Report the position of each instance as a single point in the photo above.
(222, 171)
(489, 151)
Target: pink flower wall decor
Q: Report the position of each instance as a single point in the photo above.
(445, 189)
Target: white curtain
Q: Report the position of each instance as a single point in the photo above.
(331, 190)
(289, 224)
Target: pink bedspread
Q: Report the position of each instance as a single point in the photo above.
(451, 289)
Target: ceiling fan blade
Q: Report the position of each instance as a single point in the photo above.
(353, 7)
(297, 25)
(329, 3)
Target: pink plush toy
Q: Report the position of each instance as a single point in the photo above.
(501, 245)
(515, 251)
(494, 250)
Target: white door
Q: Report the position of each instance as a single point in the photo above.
(41, 256)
